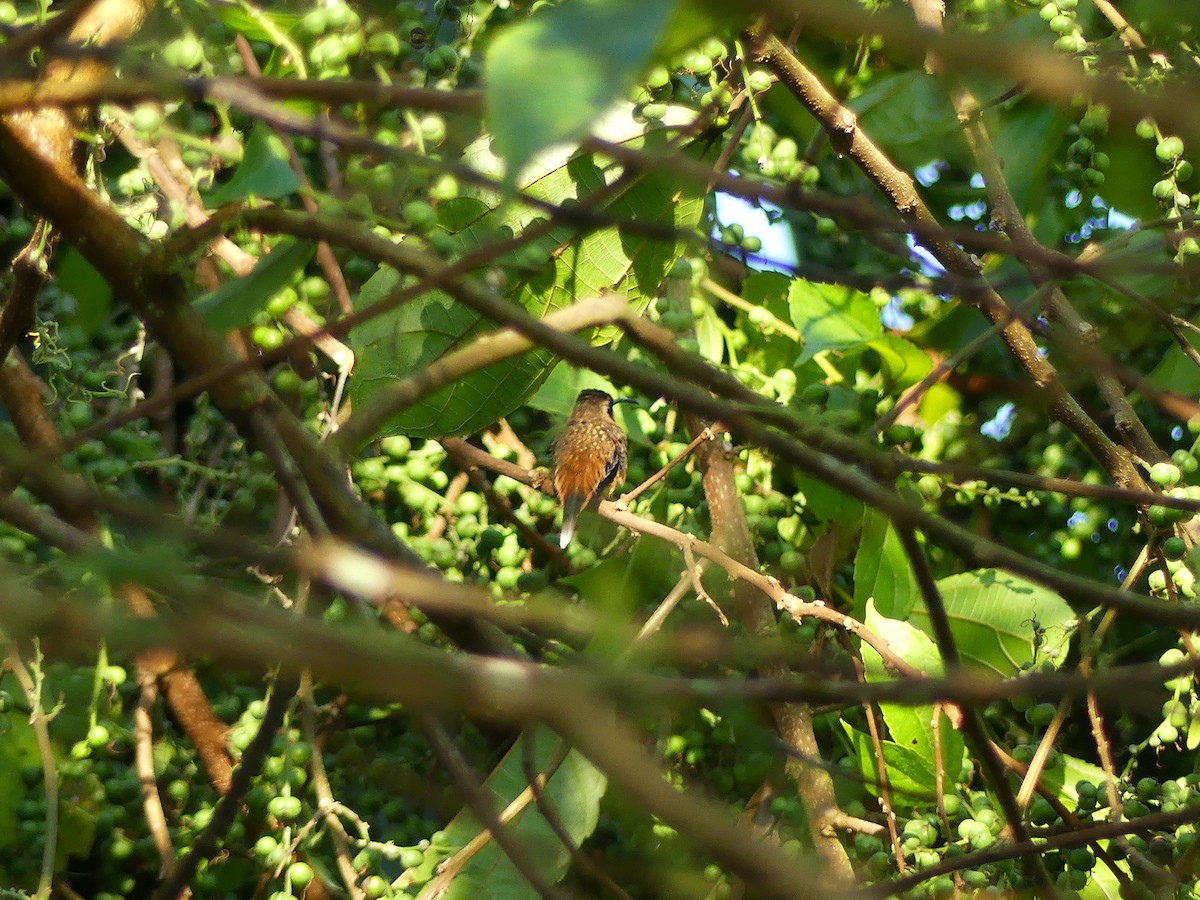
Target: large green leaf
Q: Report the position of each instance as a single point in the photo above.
(1175, 372)
(616, 586)
(238, 19)
(575, 792)
(1028, 139)
(911, 727)
(396, 345)
(904, 363)
(558, 393)
(92, 292)
(1001, 622)
(881, 570)
(826, 502)
(263, 172)
(235, 302)
(909, 114)
(549, 78)
(832, 317)
(910, 777)
(18, 748)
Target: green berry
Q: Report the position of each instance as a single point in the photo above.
(658, 77)
(1061, 24)
(420, 215)
(98, 736)
(1164, 191)
(1165, 474)
(300, 874)
(185, 53)
(1169, 149)
(286, 809)
(147, 119)
(758, 81)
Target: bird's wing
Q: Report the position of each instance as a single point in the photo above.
(610, 474)
(578, 469)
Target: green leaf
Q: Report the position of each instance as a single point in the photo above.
(1028, 137)
(549, 78)
(263, 172)
(695, 20)
(236, 302)
(881, 570)
(1103, 883)
(826, 502)
(237, 19)
(710, 334)
(831, 317)
(939, 401)
(558, 394)
(617, 586)
(575, 792)
(1133, 192)
(1001, 622)
(93, 294)
(910, 777)
(909, 114)
(1175, 372)
(904, 363)
(911, 727)
(609, 259)
(18, 748)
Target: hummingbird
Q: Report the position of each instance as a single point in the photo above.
(590, 454)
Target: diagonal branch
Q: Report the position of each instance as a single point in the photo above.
(900, 189)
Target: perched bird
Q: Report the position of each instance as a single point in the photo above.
(589, 457)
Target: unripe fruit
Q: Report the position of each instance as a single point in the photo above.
(1174, 548)
(1165, 474)
(419, 215)
(286, 809)
(185, 53)
(1169, 149)
(1164, 191)
(1061, 24)
(147, 119)
(758, 81)
(300, 873)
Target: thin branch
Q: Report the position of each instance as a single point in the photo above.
(973, 729)
(156, 818)
(480, 802)
(707, 434)
(793, 605)
(31, 687)
(900, 189)
(538, 781)
(227, 808)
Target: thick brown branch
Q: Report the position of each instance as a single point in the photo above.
(794, 721)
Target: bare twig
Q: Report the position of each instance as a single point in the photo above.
(31, 687)
(152, 807)
(480, 803)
